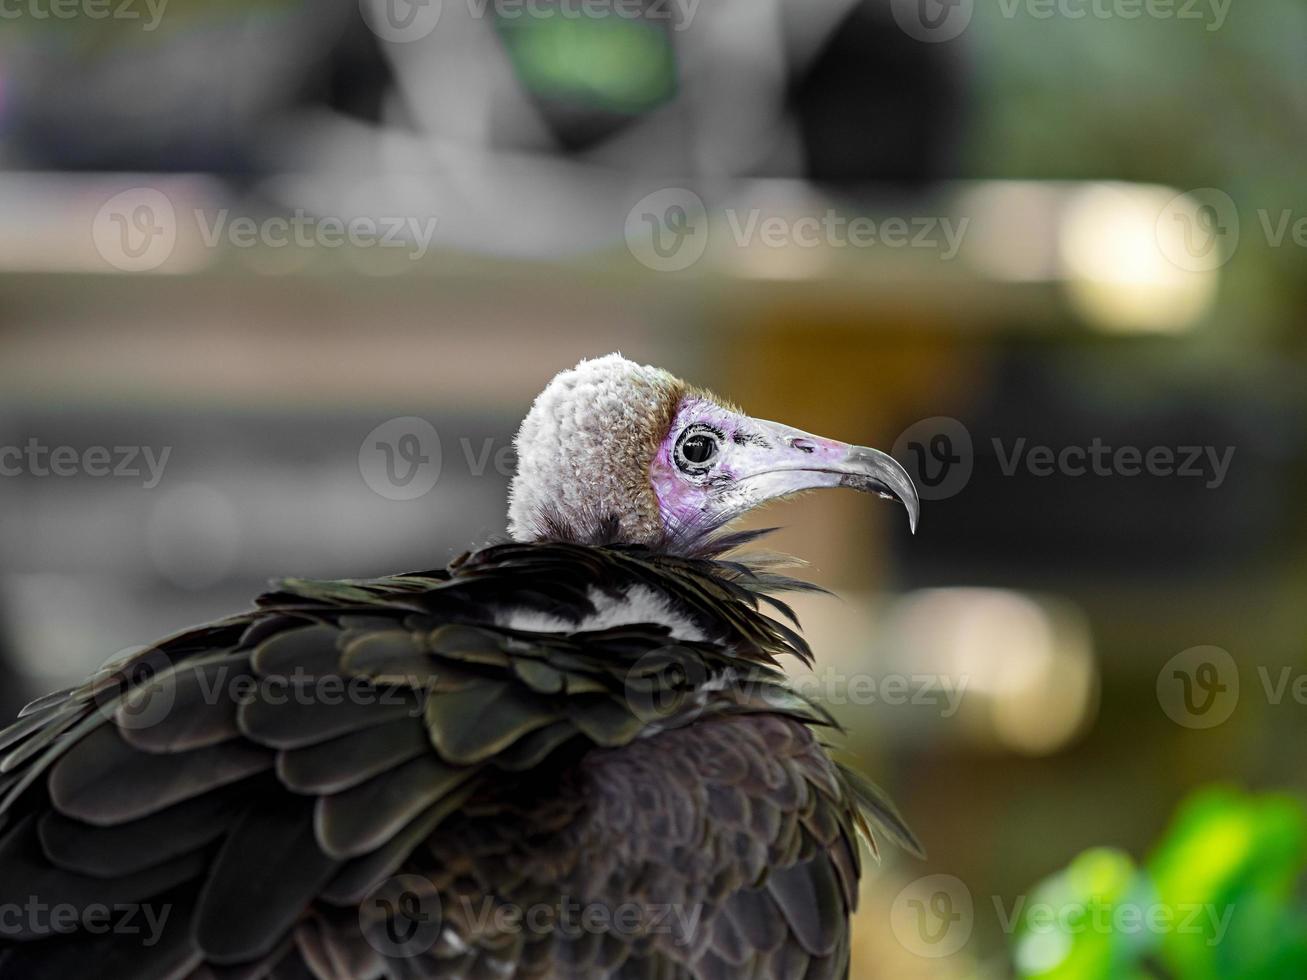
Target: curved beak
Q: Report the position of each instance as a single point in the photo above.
(873, 471)
(782, 460)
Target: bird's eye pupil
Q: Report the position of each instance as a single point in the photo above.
(698, 449)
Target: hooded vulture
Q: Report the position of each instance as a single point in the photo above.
(571, 755)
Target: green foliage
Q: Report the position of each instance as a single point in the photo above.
(1217, 900)
(1242, 856)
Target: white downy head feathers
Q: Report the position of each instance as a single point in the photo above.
(584, 449)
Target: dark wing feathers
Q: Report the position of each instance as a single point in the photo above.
(128, 949)
(28, 876)
(38, 738)
(249, 903)
(808, 895)
(260, 776)
(532, 749)
(604, 720)
(102, 780)
(736, 834)
(361, 819)
(359, 876)
(337, 764)
(181, 709)
(874, 805)
(471, 725)
(52, 715)
(293, 714)
(126, 848)
(308, 650)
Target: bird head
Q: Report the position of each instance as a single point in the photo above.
(617, 451)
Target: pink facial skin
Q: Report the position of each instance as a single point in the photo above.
(755, 461)
(683, 499)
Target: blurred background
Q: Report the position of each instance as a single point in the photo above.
(278, 279)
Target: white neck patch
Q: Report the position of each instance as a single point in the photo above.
(639, 604)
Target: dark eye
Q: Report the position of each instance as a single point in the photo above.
(696, 448)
